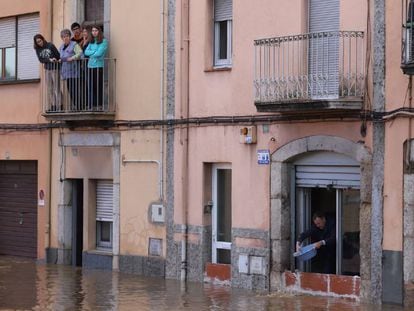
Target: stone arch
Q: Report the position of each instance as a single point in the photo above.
(280, 200)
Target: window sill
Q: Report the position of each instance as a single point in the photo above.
(8, 82)
(214, 69)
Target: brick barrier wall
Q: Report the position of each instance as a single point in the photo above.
(323, 284)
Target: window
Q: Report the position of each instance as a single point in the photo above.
(94, 12)
(408, 46)
(223, 15)
(17, 58)
(104, 213)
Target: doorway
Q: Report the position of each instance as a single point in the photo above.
(77, 221)
(221, 214)
(340, 206)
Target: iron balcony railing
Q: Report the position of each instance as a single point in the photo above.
(308, 67)
(73, 88)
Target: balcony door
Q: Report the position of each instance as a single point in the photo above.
(323, 54)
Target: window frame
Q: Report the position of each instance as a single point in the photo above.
(3, 55)
(101, 244)
(217, 61)
(222, 62)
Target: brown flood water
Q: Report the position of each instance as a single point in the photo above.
(25, 285)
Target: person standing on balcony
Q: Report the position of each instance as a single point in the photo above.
(49, 56)
(77, 32)
(70, 52)
(83, 80)
(96, 52)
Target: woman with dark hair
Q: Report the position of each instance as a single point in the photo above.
(96, 52)
(70, 52)
(49, 56)
(83, 80)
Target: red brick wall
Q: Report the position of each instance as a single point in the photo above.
(328, 284)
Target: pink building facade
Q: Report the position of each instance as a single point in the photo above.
(288, 109)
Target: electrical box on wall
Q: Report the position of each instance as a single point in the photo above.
(157, 213)
(248, 135)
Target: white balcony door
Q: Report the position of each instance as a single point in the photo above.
(221, 213)
(324, 49)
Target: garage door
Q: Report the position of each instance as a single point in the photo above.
(18, 208)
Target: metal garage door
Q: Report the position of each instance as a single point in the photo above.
(18, 208)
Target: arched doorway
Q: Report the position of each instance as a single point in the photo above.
(288, 190)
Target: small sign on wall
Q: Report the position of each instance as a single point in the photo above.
(263, 156)
(41, 201)
(155, 247)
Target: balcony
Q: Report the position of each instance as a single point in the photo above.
(321, 71)
(72, 92)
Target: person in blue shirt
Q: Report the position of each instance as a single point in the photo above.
(96, 52)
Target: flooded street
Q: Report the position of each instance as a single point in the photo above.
(25, 285)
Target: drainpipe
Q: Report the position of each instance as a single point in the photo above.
(160, 164)
(184, 107)
(50, 141)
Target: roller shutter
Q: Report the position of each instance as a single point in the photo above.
(8, 32)
(104, 200)
(27, 63)
(324, 49)
(223, 10)
(18, 208)
(325, 169)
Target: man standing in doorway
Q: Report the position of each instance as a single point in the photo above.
(323, 234)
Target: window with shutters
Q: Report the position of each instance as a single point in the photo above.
(223, 16)
(104, 213)
(18, 59)
(407, 57)
(94, 12)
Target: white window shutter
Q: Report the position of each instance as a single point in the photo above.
(8, 32)
(27, 63)
(223, 10)
(104, 200)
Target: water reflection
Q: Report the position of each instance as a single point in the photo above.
(25, 285)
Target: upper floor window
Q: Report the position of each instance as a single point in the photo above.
(407, 59)
(223, 16)
(17, 58)
(94, 12)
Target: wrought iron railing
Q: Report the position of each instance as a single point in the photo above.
(313, 66)
(74, 88)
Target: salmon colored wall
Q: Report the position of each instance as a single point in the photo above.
(397, 131)
(139, 188)
(353, 15)
(135, 43)
(88, 162)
